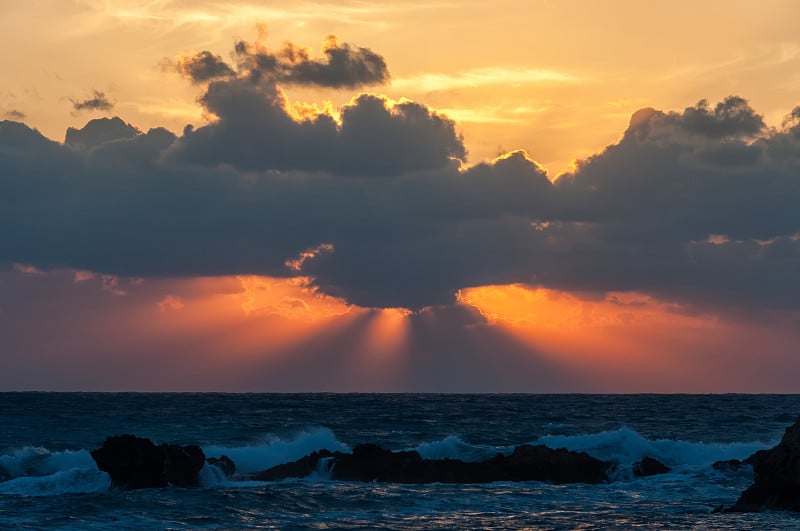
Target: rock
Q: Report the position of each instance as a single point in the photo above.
(369, 462)
(224, 463)
(777, 476)
(649, 467)
(296, 469)
(137, 463)
(729, 465)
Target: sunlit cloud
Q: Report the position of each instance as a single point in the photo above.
(28, 269)
(288, 297)
(482, 77)
(170, 303)
(296, 264)
(84, 276)
(111, 284)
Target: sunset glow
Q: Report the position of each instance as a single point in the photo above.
(399, 196)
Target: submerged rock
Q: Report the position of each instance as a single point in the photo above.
(649, 466)
(136, 463)
(369, 462)
(777, 476)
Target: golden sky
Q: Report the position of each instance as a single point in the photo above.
(559, 79)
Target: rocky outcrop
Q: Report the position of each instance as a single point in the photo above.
(137, 463)
(649, 467)
(369, 462)
(777, 476)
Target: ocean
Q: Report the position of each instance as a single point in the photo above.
(48, 480)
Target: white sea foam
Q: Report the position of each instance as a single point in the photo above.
(275, 451)
(37, 461)
(624, 446)
(453, 447)
(627, 446)
(72, 481)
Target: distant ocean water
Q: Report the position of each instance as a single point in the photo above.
(48, 480)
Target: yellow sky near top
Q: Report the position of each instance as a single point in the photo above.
(557, 78)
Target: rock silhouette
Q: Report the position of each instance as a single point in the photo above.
(649, 467)
(777, 476)
(136, 463)
(369, 462)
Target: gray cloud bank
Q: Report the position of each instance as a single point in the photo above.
(697, 207)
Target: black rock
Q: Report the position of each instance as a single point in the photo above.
(729, 465)
(777, 476)
(224, 463)
(369, 462)
(136, 463)
(649, 467)
(296, 469)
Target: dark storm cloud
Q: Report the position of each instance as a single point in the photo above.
(203, 66)
(344, 65)
(697, 207)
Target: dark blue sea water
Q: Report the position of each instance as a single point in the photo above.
(49, 481)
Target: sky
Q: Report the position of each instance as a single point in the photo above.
(539, 196)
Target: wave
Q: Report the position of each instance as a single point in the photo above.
(72, 481)
(275, 451)
(624, 446)
(37, 461)
(453, 447)
(35, 471)
(627, 446)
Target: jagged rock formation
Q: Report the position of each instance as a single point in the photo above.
(777, 476)
(137, 463)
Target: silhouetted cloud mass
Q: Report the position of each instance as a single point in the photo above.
(344, 65)
(100, 131)
(203, 66)
(97, 102)
(256, 131)
(696, 207)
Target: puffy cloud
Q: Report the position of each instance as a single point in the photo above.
(100, 131)
(203, 66)
(697, 207)
(376, 137)
(344, 65)
(97, 102)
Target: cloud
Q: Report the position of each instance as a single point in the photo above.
(203, 66)
(97, 102)
(255, 130)
(344, 65)
(170, 303)
(100, 131)
(696, 207)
